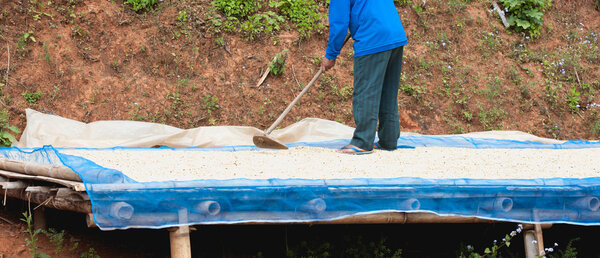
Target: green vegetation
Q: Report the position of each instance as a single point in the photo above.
(573, 100)
(137, 5)
(526, 15)
(6, 138)
(25, 37)
(277, 65)
(303, 13)
(32, 97)
(237, 8)
(352, 246)
(245, 16)
(32, 236)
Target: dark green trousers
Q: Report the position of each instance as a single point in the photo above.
(375, 99)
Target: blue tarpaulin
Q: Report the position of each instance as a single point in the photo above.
(120, 202)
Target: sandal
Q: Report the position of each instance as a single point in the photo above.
(353, 150)
(376, 146)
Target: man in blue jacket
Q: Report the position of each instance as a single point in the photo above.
(379, 38)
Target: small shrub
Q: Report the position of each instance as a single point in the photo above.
(32, 97)
(304, 13)
(237, 8)
(573, 99)
(526, 15)
(277, 65)
(31, 239)
(137, 5)
(6, 138)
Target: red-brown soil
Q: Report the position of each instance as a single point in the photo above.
(99, 60)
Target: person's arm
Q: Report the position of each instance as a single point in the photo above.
(339, 20)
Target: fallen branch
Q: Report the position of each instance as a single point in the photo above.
(8, 65)
(7, 221)
(264, 76)
(501, 13)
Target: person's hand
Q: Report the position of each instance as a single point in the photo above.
(326, 64)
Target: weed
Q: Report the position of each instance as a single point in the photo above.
(490, 119)
(237, 8)
(552, 129)
(137, 5)
(414, 91)
(91, 253)
(210, 103)
(403, 2)
(350, 246)
(31, 239)
(595, 124)
(551, 95)
(277, 65)
(267, 22)
(573, 99)
(569, 252)
(56, 238)
(32, 97)
(304, 13)
(46, 53)
(6, 138)
(526, 15)
(493, 251)
(25, 37)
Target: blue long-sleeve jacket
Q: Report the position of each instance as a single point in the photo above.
(374, 25)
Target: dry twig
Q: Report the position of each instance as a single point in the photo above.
(8, 65)
(7, 221)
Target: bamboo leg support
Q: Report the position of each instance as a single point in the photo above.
(180, 238)
(180, 242)
(39, 218)
(531, 248)
(540, 239)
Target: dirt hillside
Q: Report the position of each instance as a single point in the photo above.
(178, 64)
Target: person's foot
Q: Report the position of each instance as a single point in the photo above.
(376, 146)
(353, 150)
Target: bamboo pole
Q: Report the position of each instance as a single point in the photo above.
(179, 237)
(77, 186)
(531, 249)
(37, 169)
(39, 218)
(47, 198)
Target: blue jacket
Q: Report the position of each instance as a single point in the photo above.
(374, 25)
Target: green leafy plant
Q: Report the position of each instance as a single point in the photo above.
(492, 251)
(32, 236)
(137, 5)
(403, 2)
(304, 13)
(573, 99)
(56, 238)
(210, 103)
(32, 97)
(277, 65)
(569, 252)
(25, 37)
(267, 22)
(6, 138)
(237, 8)
(526, 15)
(91, 253)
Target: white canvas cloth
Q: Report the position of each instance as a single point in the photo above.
(45, 129)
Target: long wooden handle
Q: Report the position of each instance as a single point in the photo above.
(289, 107)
